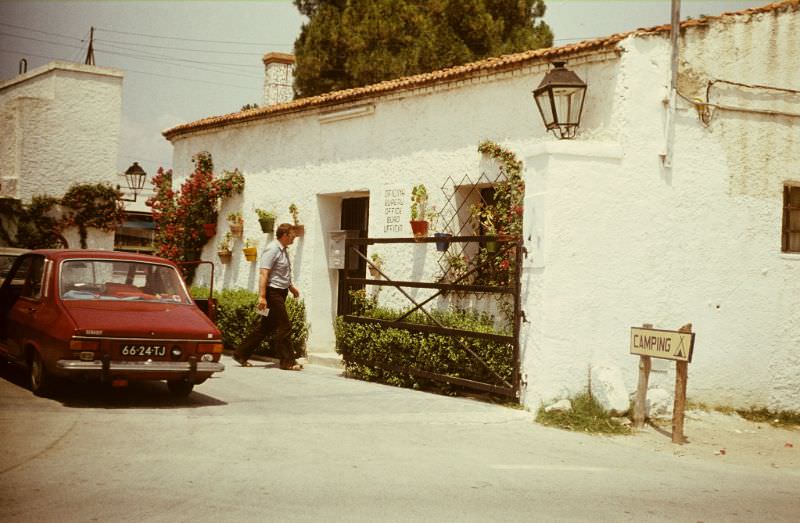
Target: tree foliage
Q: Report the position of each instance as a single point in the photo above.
(350, 43)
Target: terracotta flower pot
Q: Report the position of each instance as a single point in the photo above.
(224, 256)
(236, 229)
(210, 229)
(250, 253)
(299, 230)
(419, 228)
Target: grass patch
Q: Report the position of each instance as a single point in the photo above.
(586, 415)
(783, 418)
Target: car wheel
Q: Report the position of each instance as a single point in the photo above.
(180, 388)
(41, 380)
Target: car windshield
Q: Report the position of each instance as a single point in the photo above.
(121, 280)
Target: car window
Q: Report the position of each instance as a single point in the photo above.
(6, 261)
(120, 280)
(29, 275)
(33, 284)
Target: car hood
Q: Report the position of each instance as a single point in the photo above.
(145, 320)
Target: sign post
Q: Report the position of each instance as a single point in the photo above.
(671, 345)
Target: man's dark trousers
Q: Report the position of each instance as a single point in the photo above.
(277, 323)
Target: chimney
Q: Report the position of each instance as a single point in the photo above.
(278, 77)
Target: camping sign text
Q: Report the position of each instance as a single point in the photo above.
(669, 345)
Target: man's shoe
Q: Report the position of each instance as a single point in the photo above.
(291, 365)
(242, 362)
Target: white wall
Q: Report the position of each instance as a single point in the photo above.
(60, 125)
(629, 242)
(624, 241)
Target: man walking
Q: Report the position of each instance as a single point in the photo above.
(274, 284)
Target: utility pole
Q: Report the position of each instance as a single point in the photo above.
(90, 51)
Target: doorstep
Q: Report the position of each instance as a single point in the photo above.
(326, 359)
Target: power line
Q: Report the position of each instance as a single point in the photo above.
(210, 51)
(38, 31)
(40, 40)
(168, 57)
(176, 62)
(263, 44)
(194, 80)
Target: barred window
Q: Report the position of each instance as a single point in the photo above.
(791, 219)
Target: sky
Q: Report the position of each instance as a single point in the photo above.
(183, 61)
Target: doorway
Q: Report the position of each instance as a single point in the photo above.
(355, 218)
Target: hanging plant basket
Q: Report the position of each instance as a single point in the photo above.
(224, 256)
(250, 253)
(491, 246)
(210, 229)
(299, 230)
(443, 244)
(267, 224)
(236, 229)
(374, 273)
(419, 228)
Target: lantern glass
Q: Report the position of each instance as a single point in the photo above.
(135, 177)
(560, 101)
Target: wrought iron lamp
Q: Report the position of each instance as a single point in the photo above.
(134, 177)
(560, 100)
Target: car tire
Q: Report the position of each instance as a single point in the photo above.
(41, 380)
(180, 388)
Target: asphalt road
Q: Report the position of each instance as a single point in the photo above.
(261, 444)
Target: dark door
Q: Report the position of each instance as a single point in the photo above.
(355, 217)
(22, 320)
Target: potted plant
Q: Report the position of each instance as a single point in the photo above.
(236, 223)
(419, 198)
(250, 249)
(266, 219)
(377, 263)
(435, 219)
(224, 248)
(210, 229)
(297, 228)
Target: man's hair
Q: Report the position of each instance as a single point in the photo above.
(282, 230)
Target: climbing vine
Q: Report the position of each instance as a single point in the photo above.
(92, 205)
(40, 224)
(179, 215)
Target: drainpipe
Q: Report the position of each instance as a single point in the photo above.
(669, 128)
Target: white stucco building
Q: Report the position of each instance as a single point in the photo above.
(616, 237)
(60, 125)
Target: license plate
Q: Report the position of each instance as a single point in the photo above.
(143, 350)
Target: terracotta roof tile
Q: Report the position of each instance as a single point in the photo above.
(450, 74)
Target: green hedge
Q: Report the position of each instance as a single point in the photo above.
(236, 313)
(367, 349)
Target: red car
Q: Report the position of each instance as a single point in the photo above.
(106, 315)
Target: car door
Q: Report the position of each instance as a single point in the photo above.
(27, 286)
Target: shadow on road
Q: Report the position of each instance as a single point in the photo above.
(145, 394)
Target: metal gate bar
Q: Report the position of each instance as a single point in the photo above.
(507, 389)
